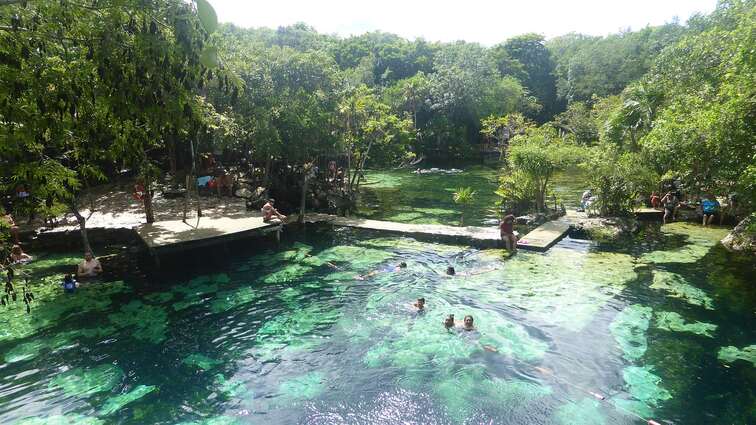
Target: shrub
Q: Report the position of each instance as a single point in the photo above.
(618, 179)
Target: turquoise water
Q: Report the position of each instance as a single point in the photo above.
(658, 324)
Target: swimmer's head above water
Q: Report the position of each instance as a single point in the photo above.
(468, 321)
(450, 271)
(449, 321)
(420, 303)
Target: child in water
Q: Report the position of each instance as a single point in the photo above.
(69, 284)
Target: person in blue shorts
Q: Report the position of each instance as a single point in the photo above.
(710, 208)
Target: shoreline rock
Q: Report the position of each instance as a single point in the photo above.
(743, 237)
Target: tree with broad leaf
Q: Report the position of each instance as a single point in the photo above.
(463, 196)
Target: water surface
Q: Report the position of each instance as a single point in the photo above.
(288, 335)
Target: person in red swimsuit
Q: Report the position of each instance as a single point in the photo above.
(655, 200)
(507, 233)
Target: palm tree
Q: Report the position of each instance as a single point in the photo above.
(463, 196)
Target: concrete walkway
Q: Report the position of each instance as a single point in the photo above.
(484, 237)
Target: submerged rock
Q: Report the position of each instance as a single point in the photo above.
(731, 354)
(606, 228)
(672, 321)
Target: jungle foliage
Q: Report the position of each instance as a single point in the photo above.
(89, 90)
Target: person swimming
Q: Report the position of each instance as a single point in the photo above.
(450, 271)
(420, 304)
(449, 322)
(467, 323)
(396, 268)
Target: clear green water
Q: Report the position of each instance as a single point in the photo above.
(400, 195)
(660, 324)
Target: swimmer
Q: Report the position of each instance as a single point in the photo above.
(449, 322)
(398, 268)
(467, 324)
(450, 271)
(420, 304)
(327, 263)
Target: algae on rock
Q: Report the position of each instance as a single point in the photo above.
(201, 361)
(643, 385)
(672, 321)
(629, 330)
(730, 354)
(677, 287)
(115, 404)
(81, 382)
(146, 322)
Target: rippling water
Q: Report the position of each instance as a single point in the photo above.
(289, 335)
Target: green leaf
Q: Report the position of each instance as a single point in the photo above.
(207, 16)
(209, 57)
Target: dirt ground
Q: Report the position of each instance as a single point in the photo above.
(112, 206)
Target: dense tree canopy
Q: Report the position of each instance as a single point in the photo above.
(89, 90)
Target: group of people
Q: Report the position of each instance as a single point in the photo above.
(89, 267)
(467, 324)
(710, 207)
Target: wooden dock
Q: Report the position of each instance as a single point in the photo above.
(165, 235)
(546, 235)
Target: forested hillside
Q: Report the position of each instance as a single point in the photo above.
(87, 90)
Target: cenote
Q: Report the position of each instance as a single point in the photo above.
(659, 324)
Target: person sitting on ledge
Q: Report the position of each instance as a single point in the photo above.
(18, 255)
(89, 266)
(506, 229)
(268, 211)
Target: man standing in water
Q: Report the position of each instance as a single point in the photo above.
(89, 267)
(268, 211)
(507, 233)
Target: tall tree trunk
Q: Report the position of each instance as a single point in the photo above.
(82, 226)
(303, 200)
(172, 156)
(194, 176)
(147, 199)
(348, 175)
(266, 177)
